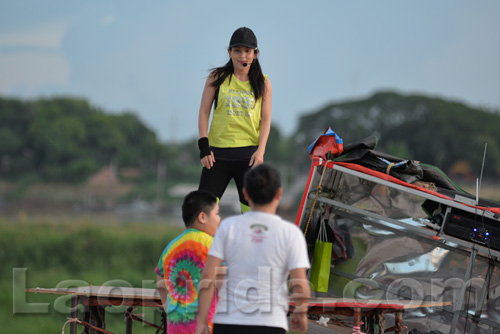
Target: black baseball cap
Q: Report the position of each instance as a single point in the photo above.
(243, 37)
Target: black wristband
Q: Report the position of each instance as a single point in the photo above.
(204, 147)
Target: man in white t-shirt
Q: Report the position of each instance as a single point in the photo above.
(260, 251)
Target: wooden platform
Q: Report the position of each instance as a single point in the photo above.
(101, 296)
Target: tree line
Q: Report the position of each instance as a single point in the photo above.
(68, 139)
(427, 129)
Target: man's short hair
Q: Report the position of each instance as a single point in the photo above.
(262, 183)
(195, 202)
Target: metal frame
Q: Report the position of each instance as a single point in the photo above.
(475, 251)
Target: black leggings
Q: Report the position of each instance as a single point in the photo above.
(216, 179)
(246, 329)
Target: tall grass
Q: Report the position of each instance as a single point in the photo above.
(75, 252)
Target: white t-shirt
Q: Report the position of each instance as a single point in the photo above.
(259, 250)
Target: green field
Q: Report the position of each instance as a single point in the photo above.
(75, 252)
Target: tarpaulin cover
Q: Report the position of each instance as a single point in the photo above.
(409, 171)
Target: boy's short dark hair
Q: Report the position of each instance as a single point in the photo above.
(195, 202)
(262, 183)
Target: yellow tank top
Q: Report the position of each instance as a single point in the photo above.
(236, 119)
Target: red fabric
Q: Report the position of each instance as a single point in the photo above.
(324, 145)
(329, 141)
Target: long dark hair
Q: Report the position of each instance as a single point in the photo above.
(255, 76)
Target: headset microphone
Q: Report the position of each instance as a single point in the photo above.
(245, 64)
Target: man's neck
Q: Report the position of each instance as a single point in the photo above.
(266, 208)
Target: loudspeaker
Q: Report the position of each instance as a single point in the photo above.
(474, 228)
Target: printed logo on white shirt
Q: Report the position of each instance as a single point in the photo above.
(258, 233)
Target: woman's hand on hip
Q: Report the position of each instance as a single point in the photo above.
(208, 160)
(257, 158)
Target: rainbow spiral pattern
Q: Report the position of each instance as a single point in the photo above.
(181, 264)
(183, 270)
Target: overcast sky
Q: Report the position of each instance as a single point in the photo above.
(152, 57)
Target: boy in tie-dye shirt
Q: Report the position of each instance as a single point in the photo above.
(181, 263)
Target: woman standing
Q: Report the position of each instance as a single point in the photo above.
(241, 95)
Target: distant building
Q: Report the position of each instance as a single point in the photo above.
(461, 170)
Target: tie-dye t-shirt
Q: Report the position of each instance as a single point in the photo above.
(181, 264)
